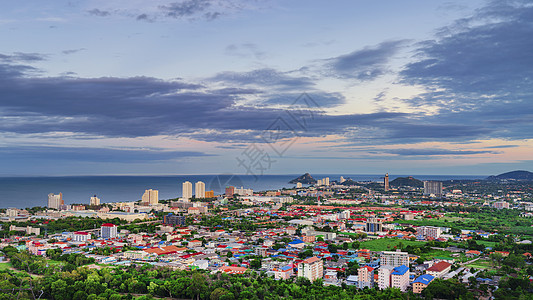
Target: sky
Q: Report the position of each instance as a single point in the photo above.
(265, 87)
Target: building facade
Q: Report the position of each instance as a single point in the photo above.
(186, 190)
(311, 268)
(108, 231)
(55, 201)
(366, 277)
(394, 258)
(94, 201)
(150, 197)
(421, 283)
(171, 219)
(199, 189)
(373, 225)
(433, 188)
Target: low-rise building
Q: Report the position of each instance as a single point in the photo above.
(422, 282)
(439, 269)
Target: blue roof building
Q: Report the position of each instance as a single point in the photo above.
(400, 270)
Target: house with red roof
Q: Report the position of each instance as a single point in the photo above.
(439, 269)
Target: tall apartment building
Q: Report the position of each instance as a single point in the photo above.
(55, 201)
(186, 190)
(500, 205)
(399, 278)
(396, 277)
(386, 182)
(311, 268)
(384, 276)
(433, 188)
(150, 197)
(94, 200)
(244, 192)
(172, 219)
(373, 225)
(230, 191)
(108, 231)
(366, 277)
(394, 258)
(429, 232)
(199, 190)
(325, 181)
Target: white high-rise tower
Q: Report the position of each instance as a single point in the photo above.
(199, 190)
(187, 190)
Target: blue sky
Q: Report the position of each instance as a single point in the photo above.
(265, 87)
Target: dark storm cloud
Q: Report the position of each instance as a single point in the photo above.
(92, 154)
(264, 77)
(365, 64)
(98, 13)
(479, 71)
(72, 51)
(145, 17)
(20, 57)
(185, 8)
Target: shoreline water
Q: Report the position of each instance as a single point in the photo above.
(22, 192)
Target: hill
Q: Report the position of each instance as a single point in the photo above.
(304, 179)
(407, 181)
(513, 175)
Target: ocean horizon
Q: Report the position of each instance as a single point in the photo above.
(23, 192)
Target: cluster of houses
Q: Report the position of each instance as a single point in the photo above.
(233, 252)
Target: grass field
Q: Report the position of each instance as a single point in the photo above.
(480, 264)
(386, 244)
(5, 266)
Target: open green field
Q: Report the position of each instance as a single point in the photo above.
(5, 266)
(387, 244)
(480, 264)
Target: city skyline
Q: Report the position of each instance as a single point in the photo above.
(194, 86)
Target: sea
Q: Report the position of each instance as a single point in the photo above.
(24, 192)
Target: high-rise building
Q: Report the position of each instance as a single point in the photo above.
(366, 277)
(243, 192)
(373, 225)
(94, 200)
(325, 181)
(341, 180)
(150, 197)
(55, 201)
(172, 219)
(311, 268)
(186, 191)
(108, 231)
(429, 232)
(299, 185)
(386, 182)
(230, 190)
(399, 278)
(210, 194)
(384, 276)
(500, 204)
(433, 188)
(319, 182)
(394, 258)
(199, 190)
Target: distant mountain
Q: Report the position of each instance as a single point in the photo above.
(407, 181)
(304, 179)
(513, 175)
